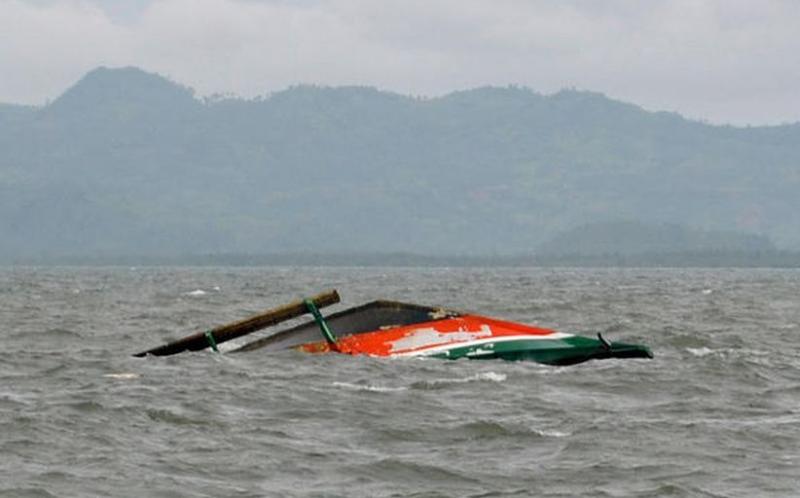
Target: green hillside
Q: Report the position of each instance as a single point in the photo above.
(126, 162)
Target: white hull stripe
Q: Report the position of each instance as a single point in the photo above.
(479, 342)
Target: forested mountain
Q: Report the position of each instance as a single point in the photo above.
(127, 162)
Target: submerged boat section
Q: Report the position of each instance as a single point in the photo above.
(394, 329)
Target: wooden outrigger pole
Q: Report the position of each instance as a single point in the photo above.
(223, 333)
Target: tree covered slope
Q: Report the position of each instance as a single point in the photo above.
(127, 162)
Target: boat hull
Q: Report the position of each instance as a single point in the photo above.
(561, 352)
(479, 338)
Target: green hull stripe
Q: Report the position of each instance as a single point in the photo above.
(566, 351)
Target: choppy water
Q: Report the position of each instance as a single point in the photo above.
(716, 413)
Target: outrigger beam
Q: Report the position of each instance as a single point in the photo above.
(223, 333)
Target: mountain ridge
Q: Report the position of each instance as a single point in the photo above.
(110, 75)
(129, 162)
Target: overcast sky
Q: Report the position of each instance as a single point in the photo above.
(732, 61)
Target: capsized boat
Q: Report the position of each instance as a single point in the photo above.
(395, 329)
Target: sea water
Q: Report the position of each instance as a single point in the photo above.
(715, 413)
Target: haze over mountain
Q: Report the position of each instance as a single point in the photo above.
(128, 163)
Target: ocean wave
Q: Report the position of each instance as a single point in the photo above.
(700, 352)
(727, 352)
(551, 433)
(122, 375)
(367, 387)
(479, 377)
(202, 292)
(494, 429)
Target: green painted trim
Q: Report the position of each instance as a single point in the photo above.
(211, 340)
(323, 325)
(566, 351)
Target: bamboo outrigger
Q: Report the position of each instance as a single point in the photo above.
(394, 329)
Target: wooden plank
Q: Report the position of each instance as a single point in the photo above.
(223, 333)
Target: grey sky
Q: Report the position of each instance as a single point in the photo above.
(735, 61)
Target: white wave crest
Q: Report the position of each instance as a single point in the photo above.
(704, 351)
(551, 433)
(490, 376)
(123, 375)
(479, 377)
(367, 387)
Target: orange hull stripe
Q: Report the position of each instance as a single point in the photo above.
(427, 335)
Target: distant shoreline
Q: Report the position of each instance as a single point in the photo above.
(709, 259)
